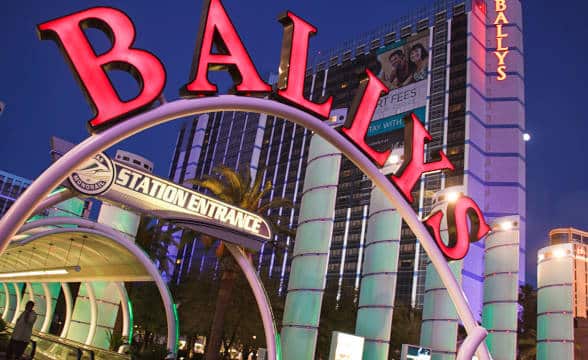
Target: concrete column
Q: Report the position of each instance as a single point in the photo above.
(501, 288)
(311, 252)
(379, 273)
(440, 319)
(555, 302)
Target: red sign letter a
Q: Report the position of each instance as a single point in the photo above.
(91, 69)
(293, 65)
(415, 136)
(232, 55)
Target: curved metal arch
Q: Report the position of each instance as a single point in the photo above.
(17, 305)
(68, 309)
(96, 143)
(6, 301)
(126, 309)
(93, 313)
(91, 227)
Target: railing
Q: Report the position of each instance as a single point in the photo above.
(46, 346)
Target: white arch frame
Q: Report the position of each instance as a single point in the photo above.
(68, 309)
(48, 308)
(17, 305)
(6, 301)
(91, 227)
(93, 313)
(98, 142)
(126, 311)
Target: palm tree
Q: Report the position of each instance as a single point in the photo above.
(237, 189)
(155, 239)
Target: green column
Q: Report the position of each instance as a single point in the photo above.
(379, 273)
(555, 302)
(440, 319)
(311, 252)
(501, 288)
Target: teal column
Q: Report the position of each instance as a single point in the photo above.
(107, 306)
(555, 302)
(39, 297)
(311, 252)
(378, 279)
(501, 288)
(440, 319)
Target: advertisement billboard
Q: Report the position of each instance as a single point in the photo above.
(346, 346)
(413, 352)
(404, 68)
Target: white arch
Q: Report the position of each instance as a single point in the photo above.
(126, 309)
(6, 301)
(98, 142)
(93, 313)
(48, 308)
(68, 309)
(91, 227)
(17, 306)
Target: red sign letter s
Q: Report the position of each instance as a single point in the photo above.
(91, 69)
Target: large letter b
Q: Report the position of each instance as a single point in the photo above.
(90, 68)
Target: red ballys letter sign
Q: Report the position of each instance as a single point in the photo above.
(91, 69)
(360, 114)
(415, 136)
(218, 30)
(459, 235)
(293, 64)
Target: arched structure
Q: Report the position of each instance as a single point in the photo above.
(104, 244)
(98, 142)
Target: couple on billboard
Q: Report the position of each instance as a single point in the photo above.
(404, 65)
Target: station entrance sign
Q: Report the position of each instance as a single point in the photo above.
(120, 183)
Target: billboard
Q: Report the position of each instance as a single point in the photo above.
(404, 68)
(346, 346)
(413, 352)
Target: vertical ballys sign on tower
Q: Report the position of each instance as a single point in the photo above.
(217, 32)
(501, 35)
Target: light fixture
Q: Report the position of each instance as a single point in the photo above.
(506, 225)
(541, 257)
(526, 136)
(453, 196)
(44, 272)
(559, 253)
(393, 159)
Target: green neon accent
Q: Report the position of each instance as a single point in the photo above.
(278, 347)
(131, 320)
(175, 310)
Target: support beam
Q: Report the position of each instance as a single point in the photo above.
(17, 303)
(6, 302)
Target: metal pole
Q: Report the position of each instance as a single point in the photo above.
(59, 171)
(265, 309)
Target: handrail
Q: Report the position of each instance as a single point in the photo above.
(79, 348)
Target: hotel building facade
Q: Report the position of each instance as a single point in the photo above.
(459, 67)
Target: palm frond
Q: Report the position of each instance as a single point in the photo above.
(216, 187)
(274, 204)
(233, 180)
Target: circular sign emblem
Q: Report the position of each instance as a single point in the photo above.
(94, 176)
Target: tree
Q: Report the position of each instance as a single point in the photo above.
(237, 189)
(155, 239)
(527, 332)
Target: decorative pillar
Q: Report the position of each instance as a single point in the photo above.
(378, 279)
(311, 252)
(555, 302)
(501, 288)
(440, 319)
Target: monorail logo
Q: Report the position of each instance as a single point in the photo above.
(141, 190)
(94, 177)
(219, 47)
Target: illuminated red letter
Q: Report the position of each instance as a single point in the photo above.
(91, 69)
(459, 235)
(232, 55)
(293, 64)
(361, 113)
(415, 136)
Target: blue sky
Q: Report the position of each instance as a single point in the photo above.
(43, 99)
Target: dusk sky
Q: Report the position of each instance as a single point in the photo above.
(43, 98)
